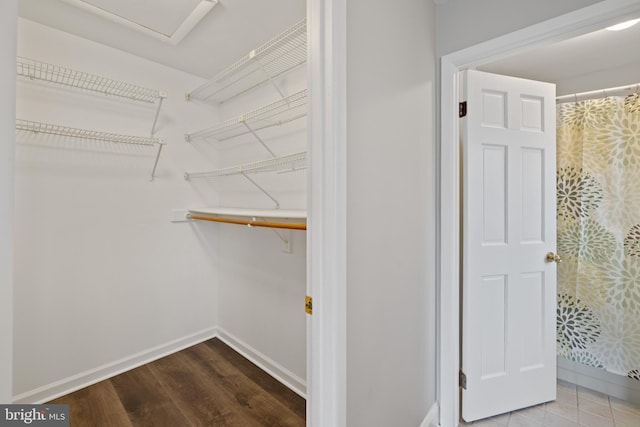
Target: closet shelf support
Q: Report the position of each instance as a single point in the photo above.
(286, 241)
(268, 76)
(244, 122)
(280, 236)
(155, 164)
(163, 95)
(265, 192)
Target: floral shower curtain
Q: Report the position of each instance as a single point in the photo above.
(598, 186)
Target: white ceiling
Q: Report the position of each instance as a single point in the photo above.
(231, 29)
(572, 64)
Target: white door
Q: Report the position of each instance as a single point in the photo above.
(509, 225)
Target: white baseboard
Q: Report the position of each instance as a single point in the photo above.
(277, 371)
(599, 380)
(76, 382)
(431, 420)
(84, 379)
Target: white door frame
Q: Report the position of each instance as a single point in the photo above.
(327, 208)
(582, 21)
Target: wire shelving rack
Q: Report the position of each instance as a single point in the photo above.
(278, 56)
(288, 163)
(37, 70)
(63, 76)
(277, 113)
(93, 135)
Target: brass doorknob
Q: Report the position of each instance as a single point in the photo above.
(551, 257)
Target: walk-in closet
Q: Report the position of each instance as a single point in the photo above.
(160, 187)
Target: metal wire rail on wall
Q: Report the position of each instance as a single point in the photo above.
(56, 74)
(278, 56)
(288, 163)
(66, 131)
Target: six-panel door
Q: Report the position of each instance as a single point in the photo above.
(509, 289)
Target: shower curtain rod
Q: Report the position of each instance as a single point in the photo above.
(600, 93)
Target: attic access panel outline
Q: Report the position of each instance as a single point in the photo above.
(166, 20)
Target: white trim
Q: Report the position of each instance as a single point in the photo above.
(573, 24)
(192, 20)
(598, 379)
(277, 371)
(326, 226)
(180, 33)
(570, 25)
(84, 379)
(431, 420)
(109, 370)
(449, 263)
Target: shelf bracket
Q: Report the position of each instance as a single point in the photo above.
(242, 120)
(155, 119)
(155, 164)
(275, 86)
(163, 95)
(286, 241)
(261, 189)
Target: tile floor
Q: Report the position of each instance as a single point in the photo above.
(574, 406)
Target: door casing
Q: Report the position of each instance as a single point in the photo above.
(567, 26)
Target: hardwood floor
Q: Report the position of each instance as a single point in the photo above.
(205, 385)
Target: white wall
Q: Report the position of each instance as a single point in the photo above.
(7, 136)
(613, 77)
(578, 82)
(102, 278)
(391, 371)
(464, 23)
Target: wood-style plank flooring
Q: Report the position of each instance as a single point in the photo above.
(208, 384)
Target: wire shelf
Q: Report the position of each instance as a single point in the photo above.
(36, 70)
(291, 162)
(279, 55)
(53, 129)
(278, 113)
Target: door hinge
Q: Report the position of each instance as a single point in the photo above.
(308, 304)
(462, 380)
(462, 109)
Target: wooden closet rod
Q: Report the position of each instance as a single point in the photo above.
(268, 224)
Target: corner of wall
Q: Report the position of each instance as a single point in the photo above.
(8, 23)
(431, 420)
